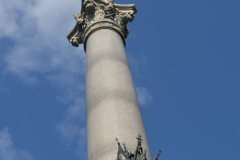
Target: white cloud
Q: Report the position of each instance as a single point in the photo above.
(136, 63)
(73, 128)
(7, 150)
(37, 30)
(144, 97)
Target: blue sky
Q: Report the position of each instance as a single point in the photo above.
(185, 61)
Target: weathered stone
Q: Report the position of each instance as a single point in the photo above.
(112, 104)
(97, 14)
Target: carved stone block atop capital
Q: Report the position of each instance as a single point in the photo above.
(99, 14)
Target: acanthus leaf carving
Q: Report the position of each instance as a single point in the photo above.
(101, 11)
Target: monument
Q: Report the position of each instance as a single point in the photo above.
(112, 104)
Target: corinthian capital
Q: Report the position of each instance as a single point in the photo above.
(104, 1)
(101, 14)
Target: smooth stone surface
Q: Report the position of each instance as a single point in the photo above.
(112, 105)
(109, 78)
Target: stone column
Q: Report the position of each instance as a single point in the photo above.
(112, 104)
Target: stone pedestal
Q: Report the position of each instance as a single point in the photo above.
(112, 104)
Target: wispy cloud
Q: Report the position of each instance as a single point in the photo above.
(73, 127)
(136, 63)
(7, 149)
(37, 31)
(144, 97)
(40, 49)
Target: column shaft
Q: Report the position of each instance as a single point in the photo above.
(112, 105)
